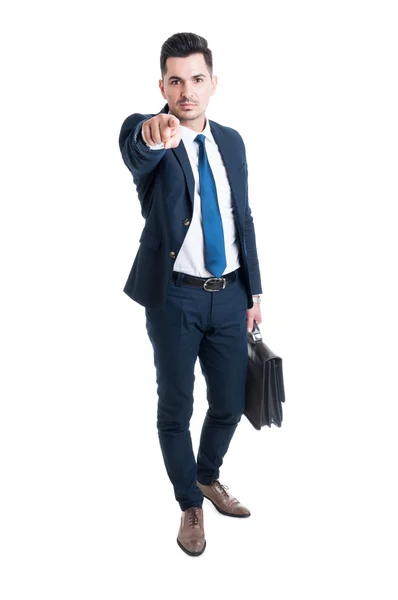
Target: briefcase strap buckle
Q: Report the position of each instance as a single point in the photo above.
(256, 333)
(257, 336)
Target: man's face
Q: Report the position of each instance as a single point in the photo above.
(187, 80)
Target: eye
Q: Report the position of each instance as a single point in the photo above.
(199, 79)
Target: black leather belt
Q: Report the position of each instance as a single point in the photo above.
(210, 284)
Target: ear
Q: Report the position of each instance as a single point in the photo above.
(214, 83)
(161, 87)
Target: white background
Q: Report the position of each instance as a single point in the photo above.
(87, 510)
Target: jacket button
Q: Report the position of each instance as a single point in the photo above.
(186, 222)
(172, 254)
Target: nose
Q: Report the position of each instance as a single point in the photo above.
(187, 92)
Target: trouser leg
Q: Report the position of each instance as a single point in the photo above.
(223, 356)
(175, 335)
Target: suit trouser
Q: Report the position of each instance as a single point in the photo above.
(212, 326)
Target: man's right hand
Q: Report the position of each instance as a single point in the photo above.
(162, 128)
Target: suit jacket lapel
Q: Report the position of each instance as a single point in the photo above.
(183, 159)
(232, 161)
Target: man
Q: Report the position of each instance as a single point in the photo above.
(196, 272)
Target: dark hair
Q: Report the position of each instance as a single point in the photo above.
(185, 44)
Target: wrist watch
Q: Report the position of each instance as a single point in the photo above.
(257, 299)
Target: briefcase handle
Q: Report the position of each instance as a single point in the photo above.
(256, 333)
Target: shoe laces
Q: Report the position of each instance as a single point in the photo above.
(193, 518)
(220, 487)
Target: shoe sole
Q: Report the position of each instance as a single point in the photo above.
(189, 552)
(223, 512)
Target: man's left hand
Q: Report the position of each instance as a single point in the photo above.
(252, 314)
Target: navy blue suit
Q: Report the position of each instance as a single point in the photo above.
(183, 322)
(165, 187)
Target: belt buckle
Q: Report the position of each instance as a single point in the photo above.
(215, 279)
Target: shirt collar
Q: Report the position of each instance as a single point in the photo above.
(188, 135)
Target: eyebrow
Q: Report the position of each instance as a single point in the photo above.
(193, 76)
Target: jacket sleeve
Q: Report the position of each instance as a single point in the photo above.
(251, 249)
(251, 246)
(138, 158)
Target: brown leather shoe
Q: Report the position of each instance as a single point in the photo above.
(224, 502)
(191, 535)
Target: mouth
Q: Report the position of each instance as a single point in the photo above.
(187, 105)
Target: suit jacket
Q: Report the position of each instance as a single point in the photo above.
(165, 188)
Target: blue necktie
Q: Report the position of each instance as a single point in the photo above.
(215, 260)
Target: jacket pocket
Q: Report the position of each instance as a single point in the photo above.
(150, 238)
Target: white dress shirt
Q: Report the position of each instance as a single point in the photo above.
(190, 258)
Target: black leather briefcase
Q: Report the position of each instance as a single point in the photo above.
(265, 390)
